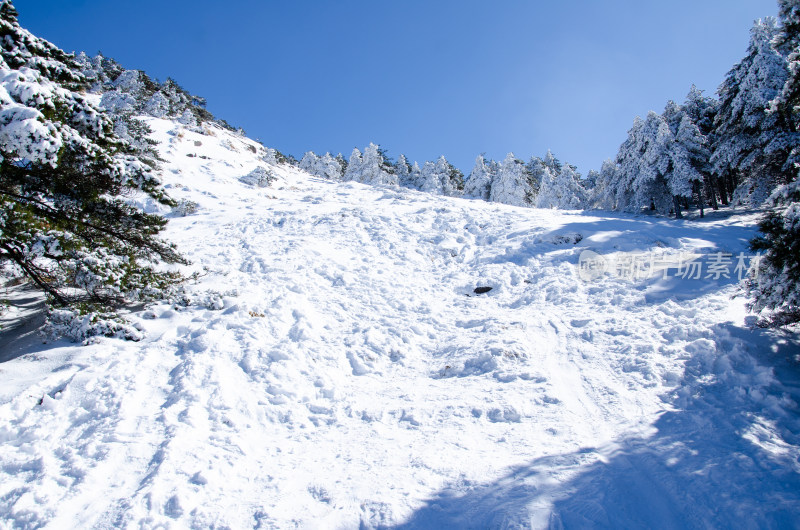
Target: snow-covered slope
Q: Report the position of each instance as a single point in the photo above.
(334, 368)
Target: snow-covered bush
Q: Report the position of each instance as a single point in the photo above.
(260, 177)
(209, 299)
(212, 300)
(77, 326)
(185, 207)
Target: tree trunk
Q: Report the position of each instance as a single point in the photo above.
(713, 193)
(34, 276)
(731, 187)
(677, 203)
(723, 192)
(699, 190)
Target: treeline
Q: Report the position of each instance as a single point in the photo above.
(706, 152)
(703, 153)
(539, 182)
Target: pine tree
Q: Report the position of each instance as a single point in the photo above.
(562, 190)
(430, 178)
(64, 221)
(403, 171)
(512, 185)
(325, 166)
(691, 167)
(128, 93)
(551, 162)
(332, 166)
(775, 286)
(341, 164)
(787, 42)
(641, 166)
(453, 181)
(590, 184)
(353, 171)
(309, 162)
(688, 154)
(415, 177)
(752, 146)
(371, 167)
(376, 167)
(610, 192)
(479, 181)
(702, 111)
(538, 170)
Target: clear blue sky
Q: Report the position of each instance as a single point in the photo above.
(423, 78)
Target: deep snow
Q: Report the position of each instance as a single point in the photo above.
(335, 369)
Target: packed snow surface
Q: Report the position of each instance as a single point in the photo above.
(333, 367)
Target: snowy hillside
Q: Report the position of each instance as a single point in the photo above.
(334, 367)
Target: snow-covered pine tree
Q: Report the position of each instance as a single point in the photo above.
(331, 167)
(609, 192)
(556, 184)
(775, 286)
(309, 162)
(546, 198)
(619, 184)
(63, 174)
(641, 164)
(415, 177)
(479, 181)
(441, 178)
(326, 166)
(371, 167)
(341, 164)
(537, 170)
(403, 171)
(663, 163)
(551, 162)
(128, 93)
(652, 168)
(376, 169)
(690, 159)
(657, 180)
(703, 110)
(590, 185)
(353, 171)
(689, 154)
(752, 146)
(563, 190)
(453, 182)
(512, 184)
(430, 178)
(271, 156)
(787, 42)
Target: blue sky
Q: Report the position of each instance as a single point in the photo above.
(423, 78)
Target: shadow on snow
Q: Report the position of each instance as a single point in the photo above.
(725, 455)
(19, 334)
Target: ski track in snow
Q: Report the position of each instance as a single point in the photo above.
(336, 370)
